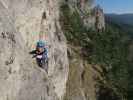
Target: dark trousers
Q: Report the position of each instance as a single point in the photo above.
(43, 63)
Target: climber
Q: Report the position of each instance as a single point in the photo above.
(41, 54)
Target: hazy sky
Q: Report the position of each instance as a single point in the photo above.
(116, 6)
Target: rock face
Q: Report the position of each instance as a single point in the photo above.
(83, 5)
(94, 19)
(82, 84)
(99, 18)
(22, 23)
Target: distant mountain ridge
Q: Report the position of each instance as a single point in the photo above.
(126, 19)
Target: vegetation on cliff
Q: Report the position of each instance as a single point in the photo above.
(109, 49)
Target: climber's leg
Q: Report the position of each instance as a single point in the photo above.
(45, 64)
(39, 62)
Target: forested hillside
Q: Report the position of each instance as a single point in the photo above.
(121, 18)
(108, 49)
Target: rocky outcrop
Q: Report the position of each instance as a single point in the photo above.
(91, 15)
(95, 20)
(99, 18)
(22, 23)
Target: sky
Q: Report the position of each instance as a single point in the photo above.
(116, 6)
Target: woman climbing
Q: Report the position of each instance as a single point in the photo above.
(41, 55)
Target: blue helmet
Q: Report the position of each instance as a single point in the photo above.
(40, 44)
